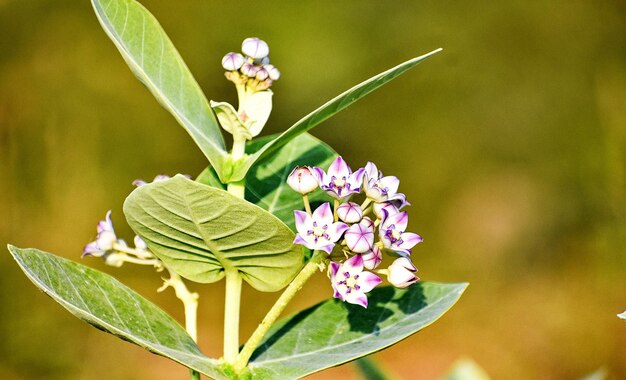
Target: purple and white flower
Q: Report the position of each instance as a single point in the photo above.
(380, 188)
(105, 239)
(360, 237)
(318, 231)
(384, 209)
(255, 48)
(393, 236)
(272, 71)
(401, 273)
(350, 282)
(302, 180)
(372, 259)
(339, 182)
(232, 61)
(350, 212)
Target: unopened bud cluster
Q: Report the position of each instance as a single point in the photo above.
(253, 68)
(355, 236)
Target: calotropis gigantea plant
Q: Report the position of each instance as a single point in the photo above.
(272, 211)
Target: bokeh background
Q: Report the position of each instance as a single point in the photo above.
(510, 144)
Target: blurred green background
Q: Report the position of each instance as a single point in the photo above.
(510, 144)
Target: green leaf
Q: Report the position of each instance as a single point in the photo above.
(266, 182)
(209, 177)
(334, 332)
(327, 110)
(153, 58)
(110, 306)
(200, 231)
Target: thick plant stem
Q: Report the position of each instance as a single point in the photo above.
(231, 315)
(233, 279)
(270, 318)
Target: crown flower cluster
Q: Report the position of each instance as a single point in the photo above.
(253, 75)
(354, 236)
(253, 68)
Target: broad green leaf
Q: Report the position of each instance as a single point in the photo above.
(155, 61)
(200, 231)
(334, 332)
(327, 110)
(110, 306)
(266, 182)
(622, 315)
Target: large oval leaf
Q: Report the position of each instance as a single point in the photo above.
(110, 306)
(327, 110)
(155, 61)
(335, 332)
(199, 231)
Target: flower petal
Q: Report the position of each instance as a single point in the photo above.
(399, 220)
(354, 265)
(391, 183)
(371, 171)
(335, 231)
(368, 281)
(409, 240)
(339, 168)
(303, 221)
(323, 214)
(356, 298)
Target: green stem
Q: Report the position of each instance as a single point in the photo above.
(231, 315)
(270, 318)
(194, 375)
(307, 205)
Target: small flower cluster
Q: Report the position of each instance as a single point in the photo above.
(348, 231)
(252, 70)
(116, 252)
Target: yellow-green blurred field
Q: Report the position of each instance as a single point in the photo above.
(510, 145)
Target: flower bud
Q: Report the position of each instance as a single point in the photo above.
(372, 258)
(302, 180)
(115, 259)
(140, 243)
(249, 70)
(360, 237)
(273, 72)
(232, 61)
(350, 212)
(255, 48)
(401, 273)
(262, 74)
